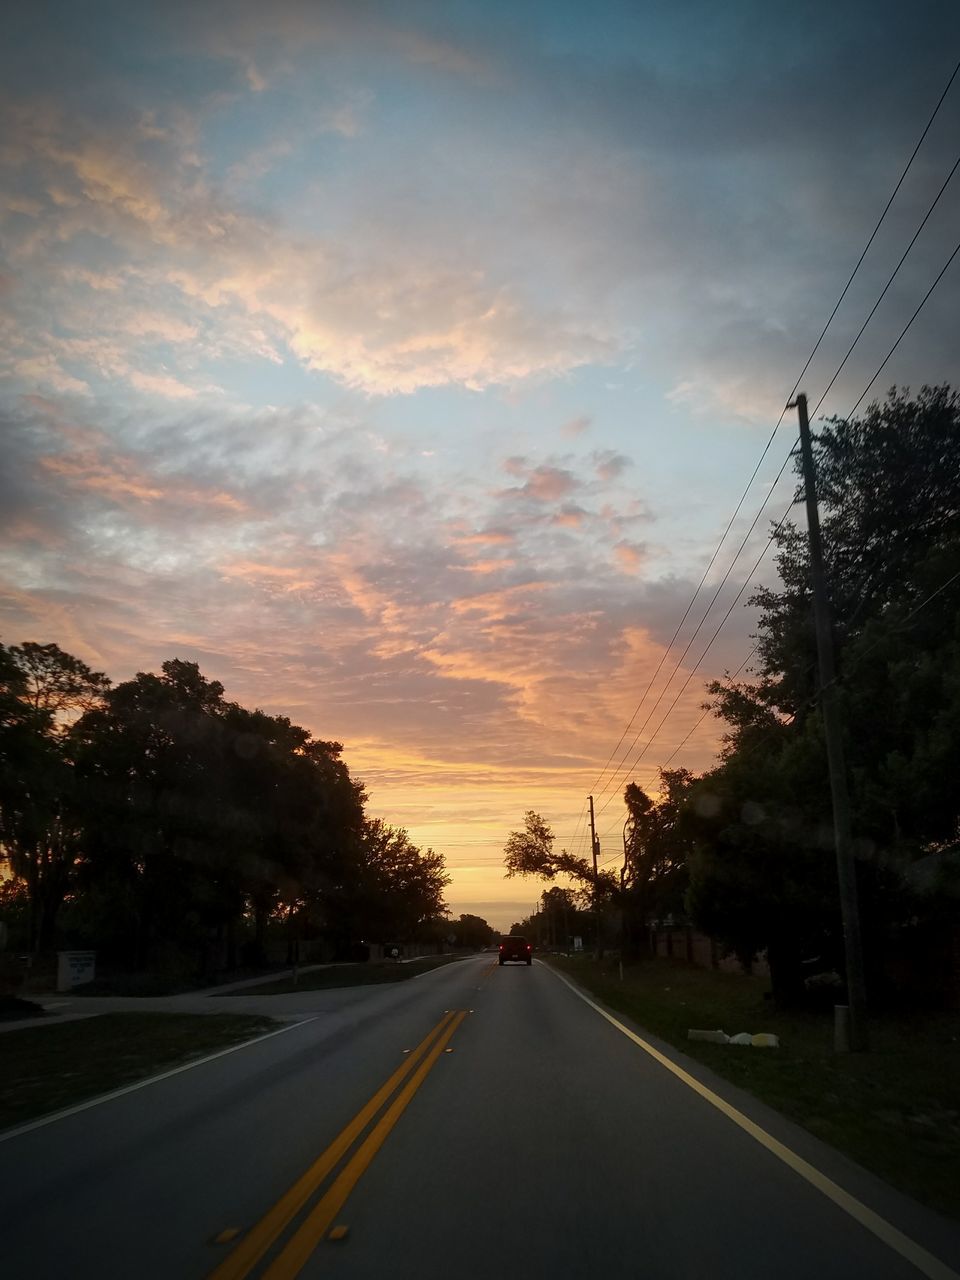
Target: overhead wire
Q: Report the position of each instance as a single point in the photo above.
(943, 586)
(866, 390)
(841, 677)
(723, 581)
(809, 360)
(892, 277)
(696, 666)
(619, 769)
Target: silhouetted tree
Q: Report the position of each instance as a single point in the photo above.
(42, 690)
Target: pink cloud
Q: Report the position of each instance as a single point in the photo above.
(609, 465)
(576, 426)
(486, 538)
(487, 566)
(543, 483)
(570, 516)
(631, 555)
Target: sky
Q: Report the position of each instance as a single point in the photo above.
(403, 364)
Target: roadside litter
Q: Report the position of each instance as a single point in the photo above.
(763, 1040)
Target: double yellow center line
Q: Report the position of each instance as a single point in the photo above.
(291, 1259)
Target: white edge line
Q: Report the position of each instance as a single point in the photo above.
(908, 1249)
(142, 1084)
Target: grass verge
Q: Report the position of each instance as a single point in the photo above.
(44, 1069)
(895, 1110)
(347, 975)
(164, 984)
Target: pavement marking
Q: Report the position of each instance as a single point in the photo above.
(339, 1233)
(915, 1254)
(256, 1243)
(296, 1253)
(142, 1084)
(226, 1235)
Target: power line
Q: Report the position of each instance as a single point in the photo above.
(839, 678)
(733, 603)
(766, 449)
(796, 385)
(576, 831)
(720, 586)
(890, 281)
(836, 374)
(619, 769)
(873, 233)
(692, 730)
(696, 593)
(883, 362)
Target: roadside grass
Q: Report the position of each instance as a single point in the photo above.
(167, 984)
(44, 1069)
(895, 1110)
(347, 975)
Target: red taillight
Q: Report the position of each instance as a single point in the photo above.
(529, 948)
(501, 946)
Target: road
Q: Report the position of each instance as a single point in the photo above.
(520, 1133)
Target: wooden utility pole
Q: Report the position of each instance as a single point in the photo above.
(846, 870)
(595, 848)
(594, 845)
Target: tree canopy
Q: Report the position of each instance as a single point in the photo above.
(529, 852)
(762, 869)
(164, 819)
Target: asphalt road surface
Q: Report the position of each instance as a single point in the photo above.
(476, 1122)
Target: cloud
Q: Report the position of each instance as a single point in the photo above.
(663, 210)
(631, 555)
(576, 426)
(608, 464)
(485, 538)
(321, 582)
(161, 384)
(570, 516)
(542, 483)
(381, 318)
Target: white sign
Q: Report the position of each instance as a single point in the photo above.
(578, 943)
(74, 968)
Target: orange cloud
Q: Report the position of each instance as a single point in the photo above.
(286, 576)
(569, 517)
(487, 566)
(496, 605)
(97, 477)
(631, 555)
(486, 538)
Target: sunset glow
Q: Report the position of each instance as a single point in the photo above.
(404, 372)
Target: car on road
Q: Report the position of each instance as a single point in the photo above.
(518, 949)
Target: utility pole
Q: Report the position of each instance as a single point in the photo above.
(595, 847)
(846, 870)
